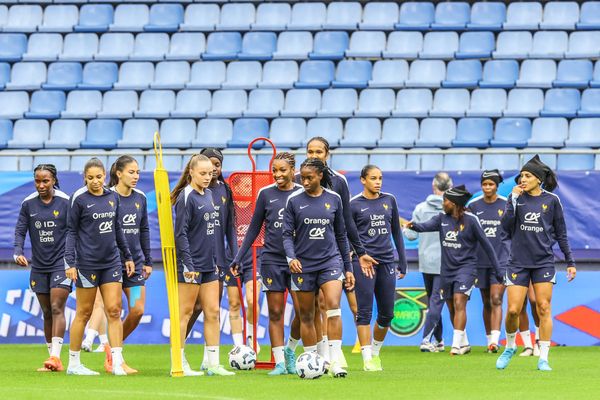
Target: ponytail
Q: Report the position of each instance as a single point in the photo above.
(185, 177)
(550, 182)
(119, 165)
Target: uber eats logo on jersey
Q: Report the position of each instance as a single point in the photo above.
(409, 311)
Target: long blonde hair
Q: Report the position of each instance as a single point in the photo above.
(185, 177)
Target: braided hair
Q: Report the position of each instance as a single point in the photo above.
(319, 139)
(50, 168)
(287, 157)
(320, 167)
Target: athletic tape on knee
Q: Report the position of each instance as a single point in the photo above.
(337, 312)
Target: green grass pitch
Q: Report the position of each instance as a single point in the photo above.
(408, 374)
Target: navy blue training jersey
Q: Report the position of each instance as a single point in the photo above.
(378, 222)
(196, 230)
(47, 227)
(134, 221)
(490, 217)
(311, 228)
(534, 224)
(94, 234)
(227, 246)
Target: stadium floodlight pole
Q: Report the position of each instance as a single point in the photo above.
(167, 240)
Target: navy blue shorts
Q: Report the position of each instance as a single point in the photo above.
(486, 277)
(519, 276)
(311, 281)
(199, 278)
(137, 279)
(229, 280)
(91, 278)
(462, 283)
(275, 278)
(43, 282)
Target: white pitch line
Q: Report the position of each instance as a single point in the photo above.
(126, 393)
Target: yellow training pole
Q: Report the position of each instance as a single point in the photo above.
(167, 240)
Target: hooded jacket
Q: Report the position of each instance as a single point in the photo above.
(430, 252)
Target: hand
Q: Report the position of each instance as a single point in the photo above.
(400, 275)
(295, 266)
(368, 271)
(146, 271)
(408, 225)
(129, 268)
(71, 273)
(366, 261)
(403, 221)
(22, 261)
(350, 281)
(571, 273)
(517, 191)
(235, 270)
(190, 275)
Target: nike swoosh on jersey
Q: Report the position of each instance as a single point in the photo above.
(364, 209)
(273, 200)
(479, 212)
(444, 224)
(303, 207)
(33, 215)
(91, 205)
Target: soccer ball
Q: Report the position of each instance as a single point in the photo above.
(310, 365)
(242, 357)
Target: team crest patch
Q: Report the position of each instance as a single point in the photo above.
(462, 227)
(33, 283)
(385, 206)
(137, 206)
(227, 278)
(112, 203)
(500, 212)
(544, 207)
(300, 280)
(56, 213)
(513, 276)
(93, 277)
(269, 281)
(327, 206)
(223, 199)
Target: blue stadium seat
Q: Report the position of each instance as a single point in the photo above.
(463, 74)
(191, 104)
(338, 103)
(200, 17)
(329, 128)
(171, 75)
(523, 16)
(130, 18)
(315, 74)
(99, 76)
(236, 17)
(575, 162)
(79, 47)
(426, 73)
(389, 74)
(428, 162)
(279, 75)
(171, 163)
(238, 162)
(59, 18)
(177, 133)
(223, 46)
(3, 15)
(352, 74)
(413, 103)
(399, 132)
(476, 44)
(416, 16)
(213, 133)
(43, 47)
(155, 104)
(450, 103)
(27, 76)
(115, 47)
(186, 46)
(487, 103)
(103, 134)
(583, 45)
(329, 46)
(436, 132)
(487, 16)
(573, 73)
(29, 134)
(138, 133)
(293, 46)
(164, 18)
(462, 162)
(288, 132)
(561, 103)
(23, 18)
(246, 130)
(150, 47)
(78, 161)
(13, 104)
(361, 132)
(12, 46)
(118, 104)
(243, 75)
(135, 76)
(366, 44)
(513, 44)
(307, 16)
(66, 134)
(302, 103)
(21, 162)
(512, 132)
(583, 132)
(503, 162)
(228, 104)
(524, 103)
(272, 17)
(42, 157)
(349, 162)
(379, 16)
(474, 132)
(537, 73)
(560, 15)
(589, 15)
(343, 15)
(500, 74)
(82, 104)
(548, 132)
(388, 162)
(95, 18)
(375, 103)
(403, 45)
(258, 46)
(264, 103)
(6, 132)
(590, 103)
(63, 76)
(439, 45)
(451, 16)
(548, 159)
(595, 82)
(549, 45)
(46, 104)
(4, 74)
(207, 75)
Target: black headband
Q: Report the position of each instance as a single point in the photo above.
(211, 152)
(536, 167)
(492, 175)
(459, 195)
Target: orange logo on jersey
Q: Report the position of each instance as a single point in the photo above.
(327, 206)
(137, 206)
(112, 203)
(385, 206)
(514, 276)
(500, 212)
(223, 199)
(32, 283)
(544, 207)
(93, 277)
(462, 227)
(269, 281)
(56, 213)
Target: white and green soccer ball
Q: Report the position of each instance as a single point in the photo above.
(242, 357)
(310, 365)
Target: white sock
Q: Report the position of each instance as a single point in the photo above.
(278, 354)
(366, 352)
(213, 356)
(74, 360)
(103, 339)
(535, 335)
(90, 335)
(184, 361)
(457, 338)
(489, 339)
(526, 337)
(238, 339)
(376, 347)
(465, 339)
(335, 350)
(310, 349)
(544, 349)
(495, 337)
(323, 349)
(57, 343)
(117, 356)
(249, 329)
(205, 357)
(292, 343)
(510, 340)
(326, 348)
(49, 347)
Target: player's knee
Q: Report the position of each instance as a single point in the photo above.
(513, 311)
(307, 317)
(234, 305)
(496, 300)
(384, 320)
(364, 317)
(334, 313)
(543, 308)
(57, 309)
(275, 314)
(137, 311)
(113, 312)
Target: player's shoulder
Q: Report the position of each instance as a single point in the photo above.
(331, 193)
(295, 194)
(472, 217)
(30, 197)
(339, 176)
(184, 195)
(356, 198)
(386, 195)
(553, 196)
(475, 201)
(62, 196)
(267, 190)
(79, 193)
(139, 193)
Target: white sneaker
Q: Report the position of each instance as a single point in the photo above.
(536, 348)
(118, 370)
(342, 361)
(86, 345)
(188, 371)
(455, 351)
(465, 349)
(99, 349)
(337, 371)
(440, 347)
(80, 370)
(427, 347)
(527, 352)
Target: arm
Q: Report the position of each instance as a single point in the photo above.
(72, 231)
(509, 217)
(119, 234)
(182, 244)
(289, 229)
(145, 237)
(560, 233)
(397, 237)
(433, 225)
(20, 232)
(253, 230)
(486, 245)
(230, 231)
(340, 237)
(350, 225)
(410, 234)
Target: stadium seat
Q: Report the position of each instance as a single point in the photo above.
(12, 46)
(138, 133)
(258, 46)
(436, 132)
(439, 45)
(399, 132)
(63, 76)
(171, 75)
(474, 132)
(463, 74)
(59, 18)
(293, 46)
(388, 162)
(389, 74)
(548, 159)
(150, 47)
(155, 104)
(590, 103)
(366, 44)
(503, 162)
(177, 133)
(573, 73)
(575, 162)
(329, 46)
(245, 130)
(352, 74)
(416, 16)
(560, 15)
(186, 46)
(349, 162)
(548, 132)
(61, 162)
(403, 45)
(307, 16)
(82, 104)
(118, 104)
(115, 47)
(589, 16)
(3, 15)
(549, 45)
(130, 18)
(236, 17)
(450, 103)
(462, 162)
(302, 103)
(487, 16)
(426, 73)
(23, 18)
(13, 104)
(207, 75)
(329, 128)
(191, 104)
(451, 16)
(66, 134)
(264, 103)
(103, 133)
(213, 133)
(200, 17)
(135, 76)
(524, 103)
(537, 73)
(375, 103)
(94, 18)
(43, 47)
(595, 82)
(46, 104)
(583, 132)
(315, 74)
(29, 134)
(170, 162)
(413, 103)
(500, 74)
(164, 18)
(288, 132)
(238, 162)
(583, 45)
(476, 44)
(487, 103)
(379, 16)
(428, 162)
(361, 132)
(338, 103)
(561, 103)
(27, 76)
(79, 47)
(279, 75)
(223, 46)
(512, 132)
(272, 17)
(228, 104)
(243, 75)
(6, 132)
(343, 15)
(78, 161)
(4, 74)
(513, 44)
(523, 16)
(99, 76)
